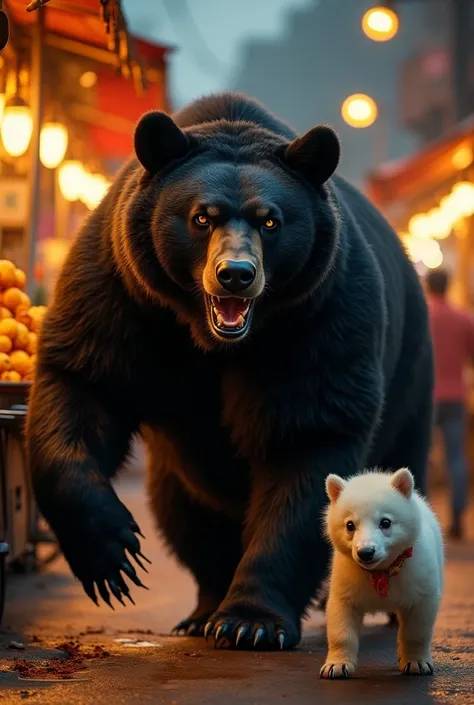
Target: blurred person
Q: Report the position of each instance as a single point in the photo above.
(453, 342)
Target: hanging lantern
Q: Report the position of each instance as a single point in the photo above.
(71, 178)
(53, 144)
(16, 128)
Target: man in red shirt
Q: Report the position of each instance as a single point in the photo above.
(453, 341)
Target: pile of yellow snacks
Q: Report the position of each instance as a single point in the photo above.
(19, 325)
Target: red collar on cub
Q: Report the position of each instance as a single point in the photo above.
(380, 579)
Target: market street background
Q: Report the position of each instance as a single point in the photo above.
(51, 607)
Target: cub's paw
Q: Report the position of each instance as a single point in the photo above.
(416, 668)
(337, 670)
(98, 546)
(244, 629)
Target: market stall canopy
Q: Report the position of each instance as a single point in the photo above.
(438, 163)
(114, 103)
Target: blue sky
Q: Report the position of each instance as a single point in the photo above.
(224, 24)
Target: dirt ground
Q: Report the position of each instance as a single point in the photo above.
(136, 661)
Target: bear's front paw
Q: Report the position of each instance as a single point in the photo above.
(246, 628)
(94, 543)
(416, 668)
(337, 670)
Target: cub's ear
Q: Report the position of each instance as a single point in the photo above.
(315, 155)
(334, 486)
(159, 141)
(403, 482)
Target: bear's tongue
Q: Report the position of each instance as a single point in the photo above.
(230, 311)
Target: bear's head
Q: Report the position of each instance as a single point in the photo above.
(227, 223)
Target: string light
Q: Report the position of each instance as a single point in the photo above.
(425, 229)
(439, 222)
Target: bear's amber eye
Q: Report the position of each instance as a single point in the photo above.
(202, 220)
(350, 526)
(270, 224)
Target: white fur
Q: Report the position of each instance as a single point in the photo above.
(414, 593)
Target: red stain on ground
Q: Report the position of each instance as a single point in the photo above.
(61, 668)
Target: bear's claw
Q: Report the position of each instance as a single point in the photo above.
(192, 626)
(246, 634)
(188, 629)
(337, 670)
(102, 570)
(241, 632)
(259, 634)
(220, 631)
(416, 668)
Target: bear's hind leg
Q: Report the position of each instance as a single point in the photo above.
(207, 543)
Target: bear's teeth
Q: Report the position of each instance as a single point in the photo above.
(220, 320)
(241, 322)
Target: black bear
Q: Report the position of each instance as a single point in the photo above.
(259, 323)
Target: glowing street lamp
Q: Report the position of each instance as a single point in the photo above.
(359, 110)
(380, 23)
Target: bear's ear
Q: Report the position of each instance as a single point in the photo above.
(403, 482)
(159, 141)
(334, 487)
(315, 155)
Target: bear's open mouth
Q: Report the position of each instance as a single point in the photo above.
(230, 315)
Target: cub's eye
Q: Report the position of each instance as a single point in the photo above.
(270, 224)
(202, 220)
(385, 523)
(350, 526)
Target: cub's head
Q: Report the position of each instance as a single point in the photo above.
(372, 517)
(228, 222)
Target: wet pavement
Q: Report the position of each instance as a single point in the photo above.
(44, 610)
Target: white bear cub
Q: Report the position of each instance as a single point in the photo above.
(387, 557)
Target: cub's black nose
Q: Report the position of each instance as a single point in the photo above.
(366, 554)
(235, 275)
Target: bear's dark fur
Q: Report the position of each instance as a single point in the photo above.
(244, 413)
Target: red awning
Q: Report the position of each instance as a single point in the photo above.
(78, 20)
(116, 96)
(405, 179)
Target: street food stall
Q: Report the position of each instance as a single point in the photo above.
(429, 199)
(73, 83)
(61, 146)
